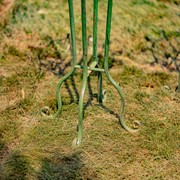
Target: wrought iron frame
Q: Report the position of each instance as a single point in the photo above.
(94, 66)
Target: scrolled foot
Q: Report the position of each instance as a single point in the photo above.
(75, 143)
(137, 125)
(135, 128)
(45, 111)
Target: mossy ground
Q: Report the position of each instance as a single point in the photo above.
(33, 57)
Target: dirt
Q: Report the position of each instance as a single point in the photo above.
(5, 6)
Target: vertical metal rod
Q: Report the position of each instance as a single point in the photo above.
(108, 30)
(84, 33)
(85, 71)
(95, 29)
(73, 42)
(72, 26)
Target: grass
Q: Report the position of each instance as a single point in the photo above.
(33, 57)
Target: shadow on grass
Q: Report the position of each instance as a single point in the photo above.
(14, 166)
(56, 167)
(61, 167)
(95, 95)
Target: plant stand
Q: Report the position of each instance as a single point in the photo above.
(94, 65)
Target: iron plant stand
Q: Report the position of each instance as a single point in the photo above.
(94, 66)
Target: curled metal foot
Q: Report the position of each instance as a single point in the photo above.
(75, 143)
(45, 111)
(136, 127)
(137, 124)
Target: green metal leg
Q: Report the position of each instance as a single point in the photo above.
(108, 29)
(95, 29)
(85, 71)
(81, 112)
(73, 43)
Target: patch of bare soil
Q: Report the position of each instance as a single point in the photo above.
(5, 6)
(5, 72)
(11, 100)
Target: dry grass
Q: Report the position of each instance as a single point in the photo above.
(5, 5)
(33, 58)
